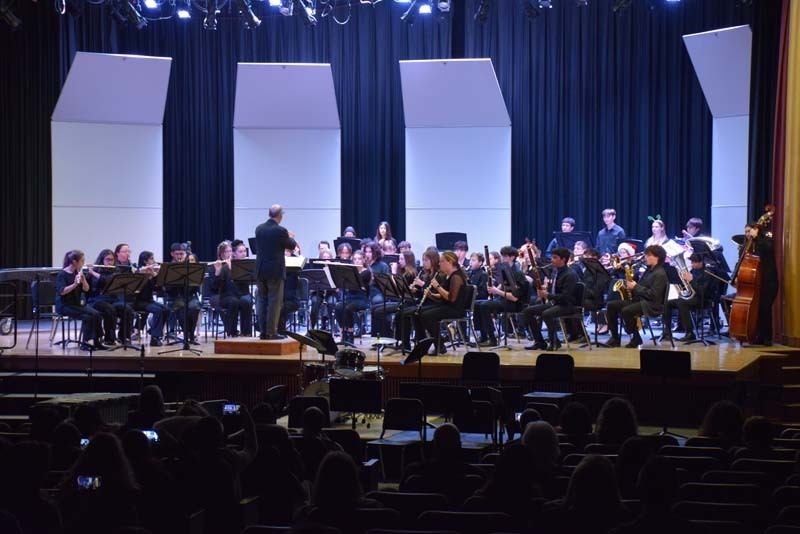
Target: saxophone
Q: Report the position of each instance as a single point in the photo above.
(624, 292)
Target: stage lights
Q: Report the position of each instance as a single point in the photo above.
(620, 5)
(546, 4)
(8, 16)
(249, 19)
(482, 11)
(411, 13)
(210, 22)
(125, 12)
(444, 5)
(287, 8)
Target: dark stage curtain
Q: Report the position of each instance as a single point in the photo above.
(606, 111)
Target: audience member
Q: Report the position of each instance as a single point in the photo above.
(528, 415)
(723, 421)
(616, 422)
(151, 409)
(758, 434)
(89, 421)
(576, 424)
(632, 455)
(43, 422)
(24, 467)
(314, 444)
(541, 440)
(592, 503)
(171, 430)
(263, 414)
(66, 446)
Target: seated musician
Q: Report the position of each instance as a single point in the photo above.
(502, 299)
(647, 298)
(349, 232)
(71, 285)
(447, 294)
(595, 286)
(560, 300)
(353, 300)
(477, 276)
(406, 267)
(145, 300)
(176, 298)
(373, 258)
(221, 290)
(113, 307)
(323, 245)
(389, 247)
(122, 253)
(403, 246)
(344, 251)
(461, 250)
(243, 291)
(567, 226)
(703, 286)
(430, 268)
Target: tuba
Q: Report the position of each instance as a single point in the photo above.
(687, 291)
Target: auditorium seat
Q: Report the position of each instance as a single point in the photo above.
(790, 515)
(410, 505)
(695, 465)
(785, 496)
(720, 493)
(713, 452)
(744, 513)
(778, 470)
(466, 522)
(782, 529)
(721, 527)
(735, 477)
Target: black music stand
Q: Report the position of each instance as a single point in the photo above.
(386, 285)
(665, 364)
(356, 396)
(306, 340)
(568, 239)
(327, 345)
(253, 245)
(419, 351)
(184, 275)
(344, 277)
(318, 282)
(602, 277)
(127, 285)
(354, 242)
(447, 240)
(244, 271)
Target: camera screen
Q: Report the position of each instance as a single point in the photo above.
(229, 409)
(89, 483)
(84, 442)
(152, 435)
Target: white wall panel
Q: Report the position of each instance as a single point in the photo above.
(729, 169)
(483, 226)
(297, 168)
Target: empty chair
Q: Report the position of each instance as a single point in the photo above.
(747, 514)
(410, 505)
(695, 465)
(480, 368)
(713, 452)
(602, 448)
(298, 406)
(405, 415)
(778, 470)
(790, 515)
(552, 371)
(466, 522)
(785, 496)
(720, 527)
(720, 493)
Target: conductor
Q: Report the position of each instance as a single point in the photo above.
(272, 240)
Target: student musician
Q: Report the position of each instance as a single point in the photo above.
(221, 290)
(353, 300)
(145, 299)
(461, 250)
(448, 298)
(344, 251)
(430, 269)
(764, 248)
(243, 291)
(502, 299)
(567, 226)
(384, 234)
(349, 232)
(71, 285)
(647, 298)
(122, 253)
(477, 276)
(406, 267)
(658, 233)
(113, 307)
(176, 298)
(703, 286)
(373, 258)
(559, 300)
(611, 235)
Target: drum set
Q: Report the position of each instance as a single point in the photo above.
(348, 365)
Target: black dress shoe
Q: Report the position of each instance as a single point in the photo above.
(155, 342)
(262, 336)
(572, 338)
(553, 346)
(193, 341)
(539, 345)
(614, 342)
(87, 347)
(688, 337)
(634, 342)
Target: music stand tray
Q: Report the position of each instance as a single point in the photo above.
(127, 285)
(447, 240)
(665, 364)
(184, 275)
(568, 239)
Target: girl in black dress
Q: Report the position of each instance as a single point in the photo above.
(70, 288)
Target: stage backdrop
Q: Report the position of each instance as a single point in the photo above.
(605, 107)
(107, 157)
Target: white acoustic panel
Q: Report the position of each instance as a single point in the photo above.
(93, 229)
(285, 95)
(721, 59)
(107, 165)
(107, 187)
(729, 170)
(112, 88)
(483, 226)
(452, 93)
(458, 167)
(298, 169)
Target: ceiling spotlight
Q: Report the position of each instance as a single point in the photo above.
(411, 13)
(125, 11)
(582, 3)
(8, 16)
(546, 4)
(183, 13)
(249, 19)
(425, 9)
(482, 10)
(210, 22)
(151, 4)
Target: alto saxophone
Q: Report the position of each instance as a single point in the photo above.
(624, 293)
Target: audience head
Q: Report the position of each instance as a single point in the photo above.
(151, 401)
(540, 438)
(313, 421)
(528, 415)
(724, 421)
(447, 439)
(632, 455)
(205, 435)
(337, 486)
(513, 474)
(44, 420)
(66, 436)
(192, 407)
(758, 433)
(264, 414)
(593, 485)
(575, 419)
(657, 484)
(136, 446)
(88, 420)
(103, 457)
(616, 421)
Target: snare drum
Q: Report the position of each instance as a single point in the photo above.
(373, 372)
(320, 388)
(313, 372)
(349, 363)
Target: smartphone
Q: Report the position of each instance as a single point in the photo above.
(84, 442)
(152, 435)
(88, 483)
(517, 416)
(231, 409)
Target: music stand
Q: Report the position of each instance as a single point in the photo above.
(602, 278)
(244, 271)
(386, 285)
(253, 245)
(509, 284)
(665, 364)
(127, 285)
(568, 239)
(447, 240)
(183, 275)
(344, 277)
(305, 340)
(419, 351)
(354, 242)
(327, 345)
(355, 396)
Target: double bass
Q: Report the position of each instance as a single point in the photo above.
(747, 280)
